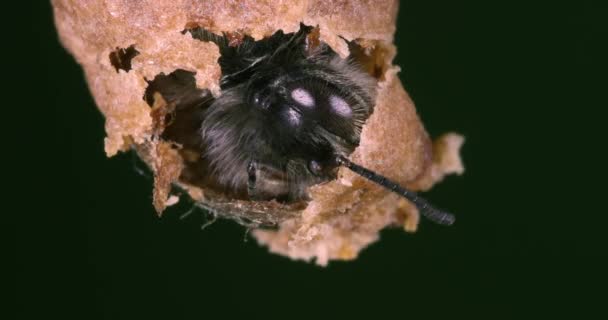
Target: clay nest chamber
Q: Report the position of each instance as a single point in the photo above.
(133, 51)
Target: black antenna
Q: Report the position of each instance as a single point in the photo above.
(425, 208)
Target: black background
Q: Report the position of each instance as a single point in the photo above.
(523, 82)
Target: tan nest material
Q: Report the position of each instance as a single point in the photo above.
(122, 44)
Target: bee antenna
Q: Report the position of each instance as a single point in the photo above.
(425, 208)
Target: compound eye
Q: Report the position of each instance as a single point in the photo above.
(315, 167)
(257, 100)
(264, 98)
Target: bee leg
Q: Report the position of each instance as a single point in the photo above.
(266, 182)
(251, 174)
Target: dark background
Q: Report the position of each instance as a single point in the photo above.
(525, 83)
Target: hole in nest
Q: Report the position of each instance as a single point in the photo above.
(186, 104)
(181, 120)
(121, 58)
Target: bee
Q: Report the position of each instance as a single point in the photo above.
(291, 111)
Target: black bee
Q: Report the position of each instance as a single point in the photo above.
(289, 114)
(285, 112)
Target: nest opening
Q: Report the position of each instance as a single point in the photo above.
(181, 118)
(121, 58)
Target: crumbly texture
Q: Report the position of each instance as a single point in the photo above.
(344, 215)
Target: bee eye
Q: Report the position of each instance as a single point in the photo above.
(262, 100)
(256, 98)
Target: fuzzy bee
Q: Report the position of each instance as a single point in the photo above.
(290, 112)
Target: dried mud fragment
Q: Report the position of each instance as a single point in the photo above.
(168, 164)
(168, 167)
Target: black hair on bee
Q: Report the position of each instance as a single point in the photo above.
(288, 116)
